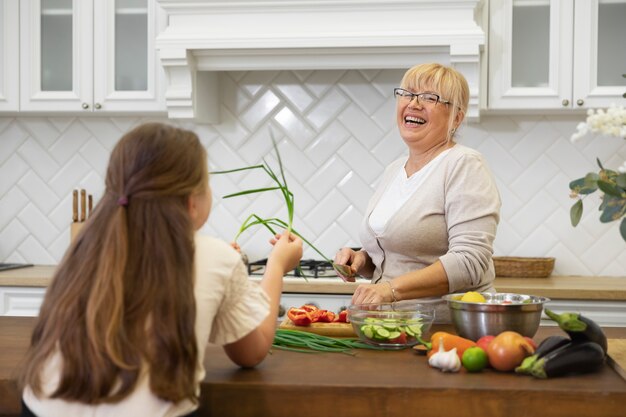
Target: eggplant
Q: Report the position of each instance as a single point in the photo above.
(573, 358)
(580, 328)
(546, 346)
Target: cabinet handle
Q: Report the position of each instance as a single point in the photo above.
(565, 103)
(580, 102)
(97, 106)
(85, 106)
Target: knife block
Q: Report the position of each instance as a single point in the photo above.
(74, 230)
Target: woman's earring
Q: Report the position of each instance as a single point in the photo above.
(453, 131)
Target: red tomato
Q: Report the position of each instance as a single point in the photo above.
(484, 341)
(400, 339)
(507, 350)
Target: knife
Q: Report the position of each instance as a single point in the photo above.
(83, 203)
(75, 206)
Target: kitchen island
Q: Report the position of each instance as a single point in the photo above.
(601, 298)
(370, 383)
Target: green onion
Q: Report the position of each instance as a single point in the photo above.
(299, 341)
(255, 220)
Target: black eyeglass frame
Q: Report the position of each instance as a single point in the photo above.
(401, 92)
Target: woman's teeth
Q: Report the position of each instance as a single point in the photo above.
(414, 120)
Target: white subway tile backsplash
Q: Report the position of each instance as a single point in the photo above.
(11, 138)
(12, 170)
(38, 192)
(38, 158)
(69, 143)
(11, 203)
(336, 132)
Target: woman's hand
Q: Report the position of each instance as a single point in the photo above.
(352, 259)
(287, 251)
(373, 293)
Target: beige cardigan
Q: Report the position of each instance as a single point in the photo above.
(452, 217)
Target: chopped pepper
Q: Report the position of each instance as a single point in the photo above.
(299, 316)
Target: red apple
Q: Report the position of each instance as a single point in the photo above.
(484, 341)
(531, 341)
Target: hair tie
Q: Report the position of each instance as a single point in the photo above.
(122, 201)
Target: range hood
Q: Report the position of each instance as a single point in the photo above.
(204, 37)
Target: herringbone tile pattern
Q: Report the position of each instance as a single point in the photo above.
(336, 133)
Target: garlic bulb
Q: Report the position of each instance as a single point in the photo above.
(446, 361)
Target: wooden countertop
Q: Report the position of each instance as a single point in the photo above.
(554, 287)
(390, 383)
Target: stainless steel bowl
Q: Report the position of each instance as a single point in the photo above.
(501, 312)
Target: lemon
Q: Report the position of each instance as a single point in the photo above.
(473, 297)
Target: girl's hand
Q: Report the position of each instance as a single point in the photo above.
(235, 246)
(287, 250)
(372, 293)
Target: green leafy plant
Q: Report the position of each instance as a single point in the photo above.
(274, 223)
(613, 205)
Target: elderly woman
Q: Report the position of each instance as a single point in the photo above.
(429, 228)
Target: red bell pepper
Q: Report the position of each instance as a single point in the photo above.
(326, 316)
(299, 316)
(342, 317)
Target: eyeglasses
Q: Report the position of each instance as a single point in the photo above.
(425, 99)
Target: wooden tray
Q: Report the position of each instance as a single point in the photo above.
(324, 329)
(617, 356)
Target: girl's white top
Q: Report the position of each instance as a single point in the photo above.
(228, 307)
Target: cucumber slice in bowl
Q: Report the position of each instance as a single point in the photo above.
(391, 326)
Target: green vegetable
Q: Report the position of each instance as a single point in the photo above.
(388, 330)
(306, 342)
(573, 358)
(271, 223)
(580, 328)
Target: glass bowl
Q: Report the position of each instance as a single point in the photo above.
(501, 312)
(391, 325)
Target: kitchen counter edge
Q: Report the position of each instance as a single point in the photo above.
(555, 287)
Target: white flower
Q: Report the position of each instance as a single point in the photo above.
(610, 122)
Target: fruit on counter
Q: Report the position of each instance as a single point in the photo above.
(484, 341)
(449, 341)
(446, 361)
(579, 328)
(475, 359)
(473, 297)
(574, 357)
(507, 351)
(546, 346)
(531, 341)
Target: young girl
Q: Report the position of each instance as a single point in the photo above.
(125, 322)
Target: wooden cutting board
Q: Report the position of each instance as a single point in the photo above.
(324, 329)
(617, 356)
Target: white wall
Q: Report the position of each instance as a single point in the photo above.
(337, 132)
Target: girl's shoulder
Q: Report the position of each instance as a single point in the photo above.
(212, 249)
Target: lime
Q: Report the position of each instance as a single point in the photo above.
(473, 297)
(474, 359)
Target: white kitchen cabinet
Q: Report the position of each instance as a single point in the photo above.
(551, 54)
(21, 301)
(90, 55)
(9, 55)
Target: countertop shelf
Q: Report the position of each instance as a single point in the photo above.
(555, 287)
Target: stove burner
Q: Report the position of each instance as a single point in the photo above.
(310, 267)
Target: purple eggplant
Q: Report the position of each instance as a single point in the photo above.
(580, 328)
(573, 358)
(546, 346)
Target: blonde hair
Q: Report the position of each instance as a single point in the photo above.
(122, 298)
(447, 82)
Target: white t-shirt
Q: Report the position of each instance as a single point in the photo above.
(398, 192)
(228, 307)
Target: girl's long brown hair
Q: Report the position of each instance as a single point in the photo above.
(122, 300)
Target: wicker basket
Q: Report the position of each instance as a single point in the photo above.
(507, 266)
